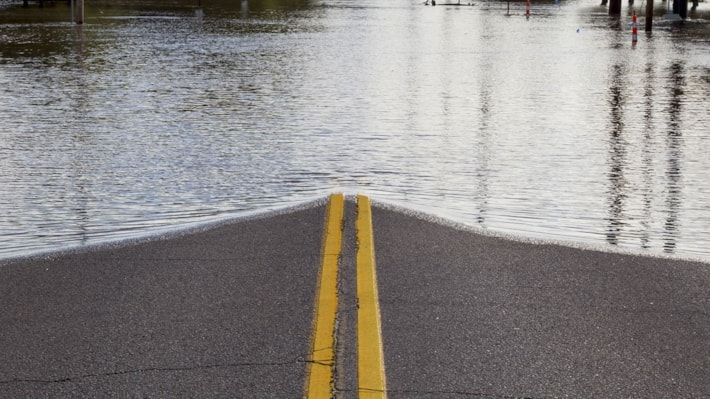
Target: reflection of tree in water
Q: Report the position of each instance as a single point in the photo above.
(618, 183)
(674, 142)
(484, 154)
(648, 156)
(617, 156)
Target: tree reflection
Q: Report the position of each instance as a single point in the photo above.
(674, 142)
(617, 156)
(648, 153)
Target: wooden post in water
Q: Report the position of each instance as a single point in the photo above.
(649, 15)
(683, 9)
(79, 16)
(680, 7)
(615, 7)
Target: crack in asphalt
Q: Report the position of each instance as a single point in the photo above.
(455, 392)
(471, 394)
(153, 369)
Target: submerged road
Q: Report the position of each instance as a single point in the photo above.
(233, 312)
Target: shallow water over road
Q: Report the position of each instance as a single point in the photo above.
(551, 127)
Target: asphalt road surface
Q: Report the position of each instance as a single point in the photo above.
(228, 313)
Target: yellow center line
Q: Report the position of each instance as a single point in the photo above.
(320, 380)
(370, 358)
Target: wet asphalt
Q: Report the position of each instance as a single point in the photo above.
(227, 313)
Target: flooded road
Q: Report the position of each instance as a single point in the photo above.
(554, 127)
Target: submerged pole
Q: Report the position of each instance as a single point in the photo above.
(649, 15)
(615, 7)
(683, 9)
(79, 16)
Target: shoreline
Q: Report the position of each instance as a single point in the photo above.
(196, 227)
(163, 233)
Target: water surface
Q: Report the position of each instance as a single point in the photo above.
(553, 127)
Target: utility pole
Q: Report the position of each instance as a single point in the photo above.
(649, 15)
(79, 15)
(615, 7)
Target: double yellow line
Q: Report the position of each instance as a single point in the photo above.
(320, 381)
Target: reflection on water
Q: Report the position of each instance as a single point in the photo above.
(617, 154)
(148, 117)
(674, 154)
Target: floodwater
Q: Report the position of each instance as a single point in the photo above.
(555, 127)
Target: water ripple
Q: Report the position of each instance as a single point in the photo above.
(553, 127)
